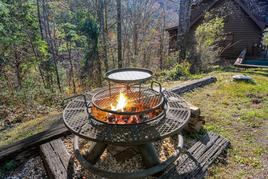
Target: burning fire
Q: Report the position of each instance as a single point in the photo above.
(126, 103)
(121, 103)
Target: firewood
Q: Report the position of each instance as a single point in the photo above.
(196, 121)
(195, 111)
(195, 124)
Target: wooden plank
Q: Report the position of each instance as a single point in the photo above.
(60, 149)
(204, 151)
(7, 152)
(56, 159)
(193, 85)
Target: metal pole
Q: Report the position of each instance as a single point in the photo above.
(139, 92)
(149, 155)
(95, 151)
(110, 88)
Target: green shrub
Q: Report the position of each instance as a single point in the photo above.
(208, 36)
(171, 59)
(180, 70)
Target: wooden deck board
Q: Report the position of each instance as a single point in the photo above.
(204, 151)
(56, 159)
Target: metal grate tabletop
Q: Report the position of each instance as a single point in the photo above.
(76, 119)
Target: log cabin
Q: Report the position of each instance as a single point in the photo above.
(242, 29)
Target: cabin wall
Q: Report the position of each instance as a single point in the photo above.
(240, 30)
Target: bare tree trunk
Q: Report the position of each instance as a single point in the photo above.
(98, 63)
(39, 18)
(162, 37)
(113, 59)
(17, 70)
(135, 30)
(101, 4)
(135, 39)
(71, 67)
(184, 12)
(37, 56)
(119, 34)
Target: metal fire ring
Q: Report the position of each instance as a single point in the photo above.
(129, 75)
(145, 92)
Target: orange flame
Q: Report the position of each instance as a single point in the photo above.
(121, 103)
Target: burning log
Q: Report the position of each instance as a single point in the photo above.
(134, 119)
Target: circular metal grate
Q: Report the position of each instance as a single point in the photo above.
(129, 75)
(77, 120)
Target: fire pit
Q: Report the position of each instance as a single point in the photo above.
(129, 103)
(127, 114)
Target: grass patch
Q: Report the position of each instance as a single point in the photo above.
(239, 112)
(27, 128)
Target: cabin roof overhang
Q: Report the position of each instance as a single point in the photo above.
(261, 25)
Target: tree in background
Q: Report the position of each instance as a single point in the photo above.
(102, 16)
(66, 45)
(88, 27)
(119, 34)
(19, 39)
(48, 27)
(184, 13)
(266, 38)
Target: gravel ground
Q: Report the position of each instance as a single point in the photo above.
(32, 169)
(165, 149)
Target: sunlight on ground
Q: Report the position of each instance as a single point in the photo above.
(239, 112)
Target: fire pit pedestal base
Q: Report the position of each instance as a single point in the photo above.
(147, 151)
